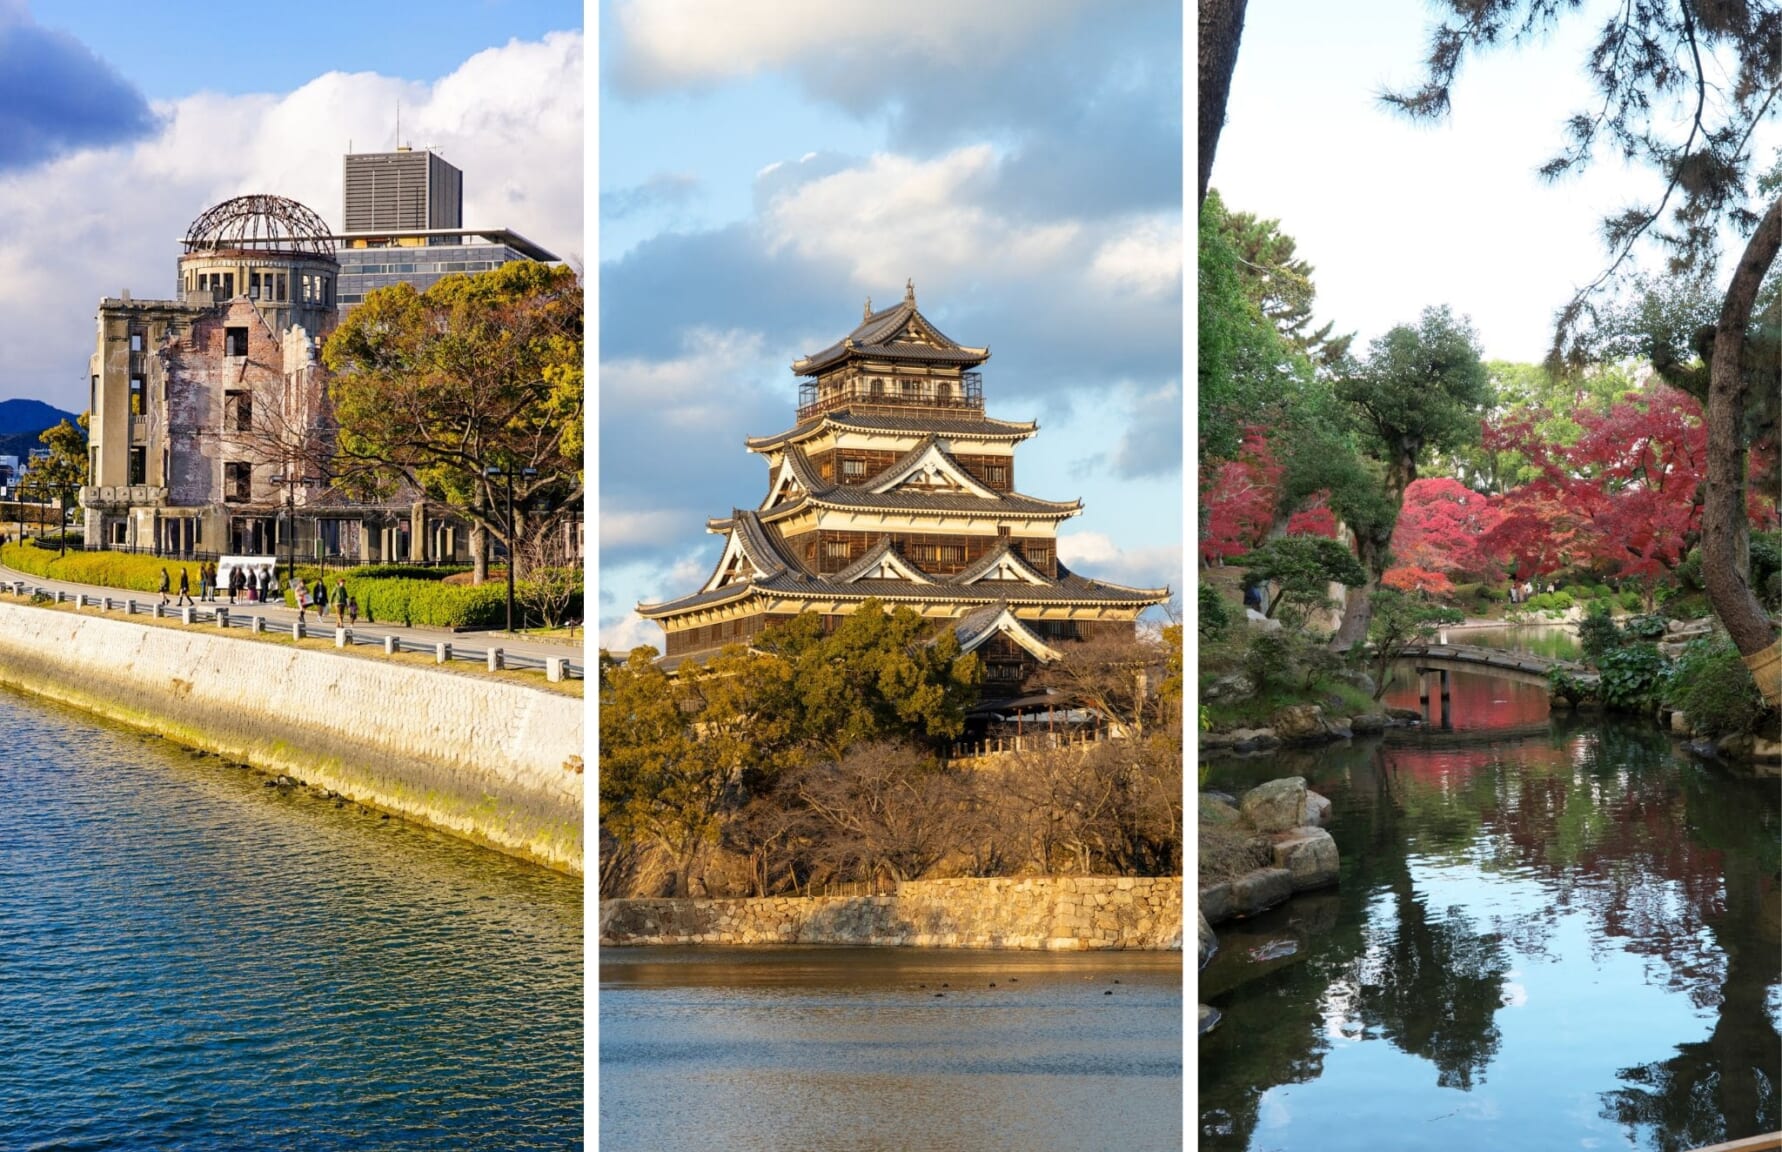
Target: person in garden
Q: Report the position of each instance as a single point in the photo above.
(340, 602)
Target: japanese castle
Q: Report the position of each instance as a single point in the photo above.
(894, 485)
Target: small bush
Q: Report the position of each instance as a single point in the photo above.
(1713, 687)
(1268, 660)
(1632, 677)
(1644, 627)
(1554, 602)
(1597, 633)
(1565, 685)
(1215, 616)
(1631, 602)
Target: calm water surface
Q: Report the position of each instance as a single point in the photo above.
(1549, 934)
(189, 959)
(829, 1049)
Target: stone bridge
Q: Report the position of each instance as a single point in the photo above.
(1521, 667)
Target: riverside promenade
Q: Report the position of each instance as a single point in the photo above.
(280, 617)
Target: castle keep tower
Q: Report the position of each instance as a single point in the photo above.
(894, 485)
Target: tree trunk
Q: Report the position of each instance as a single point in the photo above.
(1358, 608)
(1726, 539)
(479, 543)
(1221, 29)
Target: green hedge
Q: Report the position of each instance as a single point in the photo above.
(111, 569)
(424, 603)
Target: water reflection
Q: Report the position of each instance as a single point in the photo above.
(1541, 939)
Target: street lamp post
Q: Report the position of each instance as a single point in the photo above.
(508, 476)
(290, 484)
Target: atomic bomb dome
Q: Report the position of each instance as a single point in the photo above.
(260, 224)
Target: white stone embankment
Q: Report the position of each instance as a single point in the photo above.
(1056, 913)
(499, 764)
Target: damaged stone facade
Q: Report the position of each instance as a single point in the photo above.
(203, 406)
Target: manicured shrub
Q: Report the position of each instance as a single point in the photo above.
(1268, 660)
(1714, 688)
(124, 570)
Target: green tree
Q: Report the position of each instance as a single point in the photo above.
(1421, 389)
(1280, 284)
(1245, 368)
(657, 784)
(435, 389)
(1399, 620)
(1302, 568)
(878, 676)
(60, 475)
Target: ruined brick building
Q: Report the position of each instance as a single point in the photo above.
(209, 425)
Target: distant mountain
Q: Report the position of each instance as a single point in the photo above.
(31, 416)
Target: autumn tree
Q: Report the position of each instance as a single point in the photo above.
(1683, 88)
(461, 390)
(1439, 535)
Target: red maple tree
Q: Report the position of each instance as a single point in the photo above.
(1240, 497)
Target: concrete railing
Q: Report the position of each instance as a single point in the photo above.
(555, 668)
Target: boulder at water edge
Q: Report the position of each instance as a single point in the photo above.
(1276, 806)
(1317, 813)
(1298, 723)
(1208, 942)
(1309, 856)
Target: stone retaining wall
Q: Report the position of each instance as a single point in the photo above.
(496, 763)
(1059, 913)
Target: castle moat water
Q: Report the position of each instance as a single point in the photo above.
(758, 1049)
(192, 959)
(1550, 933)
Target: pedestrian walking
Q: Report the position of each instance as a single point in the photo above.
(274, 590)
(236, 583)
(185, 587)
(340, 602)
(208, 580)
(166, 583)
(264, 584)
(300, 593)
(352, 611)
(321, 596)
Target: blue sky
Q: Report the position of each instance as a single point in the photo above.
(764, 170)
(121, 123)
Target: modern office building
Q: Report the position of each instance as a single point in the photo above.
(404, 216)
(402, 191)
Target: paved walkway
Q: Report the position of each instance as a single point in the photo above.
(277, 614)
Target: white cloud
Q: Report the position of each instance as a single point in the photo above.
(1097, 556)
(688, 387)
(701, 41)
(633, 528)
(895, 215)
(1145, 259)
(95, 222)
(632, 631)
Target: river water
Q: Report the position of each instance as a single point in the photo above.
(787, 1048)
(191, 959)
(1550, 933)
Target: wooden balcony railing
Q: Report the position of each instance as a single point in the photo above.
(963, 395)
